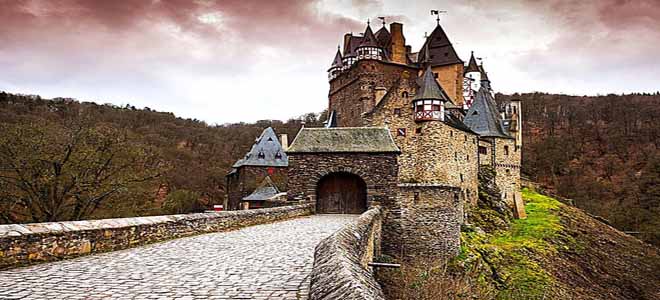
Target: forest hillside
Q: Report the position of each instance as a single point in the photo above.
(87, 160)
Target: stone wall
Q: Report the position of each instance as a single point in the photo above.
(24, 244)
(431, 152)
(378, 170)
(507, 166)
(341, 268)
(450, 78)
(424, 223)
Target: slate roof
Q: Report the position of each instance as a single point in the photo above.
(440, 50)
(351, 45)
(429, 87)
(268, 145)
(337, 63)
(369, 39)
(383, 37)
(472, 65)
(266, 190)
(344, 140)
(483, 117)
(484, 75)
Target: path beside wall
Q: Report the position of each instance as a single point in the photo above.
(24, 244)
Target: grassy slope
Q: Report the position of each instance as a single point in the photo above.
(559, 252)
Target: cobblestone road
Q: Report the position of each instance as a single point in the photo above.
(271, 261)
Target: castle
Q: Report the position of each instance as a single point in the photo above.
(407, 131)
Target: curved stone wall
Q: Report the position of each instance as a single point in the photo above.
(24, 244)
(340, 261)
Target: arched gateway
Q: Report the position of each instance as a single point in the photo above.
(343, 170)
(341, 193)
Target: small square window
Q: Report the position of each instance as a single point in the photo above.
(397, 112)
(418, 130)
(401, 132)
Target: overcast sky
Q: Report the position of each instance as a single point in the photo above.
(245, 60)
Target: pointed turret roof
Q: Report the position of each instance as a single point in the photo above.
(429, 87)
(440, 50)
(484, 75)
(472, 65)
(383, 37)
(369, 39)
(337, 62)
(483, 117)
(266, 152)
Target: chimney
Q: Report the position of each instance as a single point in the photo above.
(284, 140)
(398, 43)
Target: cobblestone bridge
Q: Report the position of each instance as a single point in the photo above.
(271, 261)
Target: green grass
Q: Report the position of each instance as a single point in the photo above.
(513, 253)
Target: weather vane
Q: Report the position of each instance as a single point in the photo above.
(382, 19)
(437, 13)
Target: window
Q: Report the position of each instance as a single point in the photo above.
(416, 196)
(506, 150)
(401, 132)
(483, 150)
(508, 171)
(404, 94)
(435, 75)
(278, 155)
(451, 133)
(465, 138)
(467, 157)
(418, 130)
(397, 112)
(462, 179)
(261, 155)
(456, 156)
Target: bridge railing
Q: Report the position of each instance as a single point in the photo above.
(341, 260)
(24, 244)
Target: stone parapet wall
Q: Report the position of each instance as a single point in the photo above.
(341, 268)
(24, 244)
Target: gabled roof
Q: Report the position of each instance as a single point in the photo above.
(440, 50)
(429, 87)
(483, 117)
(337, 63)
(383, 37)
(344, 140)
(369, 39)
(472, 65)
(265, 191)
(266, 152)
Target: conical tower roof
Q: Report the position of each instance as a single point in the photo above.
(265, 152)
(337, 62)
(429, 88)
(369, 39)
(439, 48)
(472, 65)
(484, 75)
(483, 117)
(383, 37)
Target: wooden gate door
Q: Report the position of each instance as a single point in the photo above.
(341, 193)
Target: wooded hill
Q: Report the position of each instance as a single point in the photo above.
(602, 152)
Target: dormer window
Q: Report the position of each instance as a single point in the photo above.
(261, 155)
(278, 155)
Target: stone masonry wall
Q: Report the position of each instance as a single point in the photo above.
(341, 260)
(425, 223)
(24, 244)
(378, 170)
(431, 152)
(507, 167)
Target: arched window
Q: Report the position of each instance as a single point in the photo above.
(404, 94)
